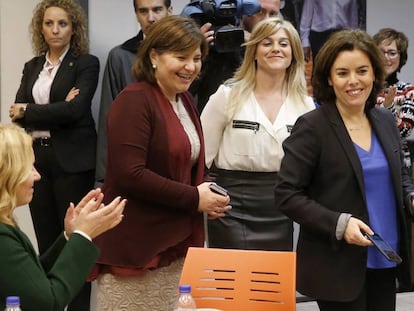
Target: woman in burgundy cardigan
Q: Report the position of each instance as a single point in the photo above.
(156, 161)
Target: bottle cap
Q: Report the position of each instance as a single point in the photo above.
(185, 288)
(13, 301)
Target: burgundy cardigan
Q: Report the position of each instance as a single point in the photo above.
(149, 164)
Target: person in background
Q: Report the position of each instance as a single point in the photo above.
(53, 103)
(156, 160)
(342, 178)
(291, 11)
(398, 96)
(117, 74)
(51, 281)
(245, 123)
(218, 67)
(269, 8)
(321, 18)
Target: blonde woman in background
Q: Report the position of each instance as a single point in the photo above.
(244, 124)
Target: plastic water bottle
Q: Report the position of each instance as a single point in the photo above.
(12, 303)
(185, 301)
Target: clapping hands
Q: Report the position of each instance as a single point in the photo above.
(92, 217)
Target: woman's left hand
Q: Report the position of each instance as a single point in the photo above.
(215, 205)
(15, 111)
(355, 230)
(389, 96)
(72, 94)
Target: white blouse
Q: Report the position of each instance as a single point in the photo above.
(189, 128)
(42, 86)
(249, 142)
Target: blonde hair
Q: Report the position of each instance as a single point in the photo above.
(79, 42)
(16, 165)
(244, 80)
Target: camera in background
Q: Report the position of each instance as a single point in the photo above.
(225, 17)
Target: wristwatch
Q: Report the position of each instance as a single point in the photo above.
(22, 111)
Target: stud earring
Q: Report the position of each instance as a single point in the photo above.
(154, 66)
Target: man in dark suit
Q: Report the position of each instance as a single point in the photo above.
(117, 74)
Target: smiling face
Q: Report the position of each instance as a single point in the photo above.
(175, 71)
(274, 53)
(57, 29)
(24, 193)
(392, 56)
(351, 78)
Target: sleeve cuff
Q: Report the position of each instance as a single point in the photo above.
(341, 225)
(83, 234)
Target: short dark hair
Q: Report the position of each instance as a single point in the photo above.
(170, 34)
(346, 40)
(388, 35)
(167, 4)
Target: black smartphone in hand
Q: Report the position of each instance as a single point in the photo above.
(384, 248)
(217, 189)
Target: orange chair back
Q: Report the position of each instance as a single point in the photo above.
(242, 280)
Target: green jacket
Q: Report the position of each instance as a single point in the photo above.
(46, 283)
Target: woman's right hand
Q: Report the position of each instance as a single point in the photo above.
(215, 205)
(92, 217)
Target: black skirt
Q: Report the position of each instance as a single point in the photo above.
(253, 222)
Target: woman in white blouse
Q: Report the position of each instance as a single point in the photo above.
(244, 124)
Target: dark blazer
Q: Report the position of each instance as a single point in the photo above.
(47, 283)
(320, 178)
(71, 123)
(149, 163)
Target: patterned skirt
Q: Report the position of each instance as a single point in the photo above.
(154, 290)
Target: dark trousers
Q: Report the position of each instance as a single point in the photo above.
(52, 195)
(378, 294)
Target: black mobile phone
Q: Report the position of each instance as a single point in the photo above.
(384, 247)
(217, 189)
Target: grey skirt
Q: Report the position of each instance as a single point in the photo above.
(253, 222)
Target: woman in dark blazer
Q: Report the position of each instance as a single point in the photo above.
(343, 177)
(50, 281)
(53, 103)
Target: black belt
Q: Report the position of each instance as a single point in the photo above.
(42, 141)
